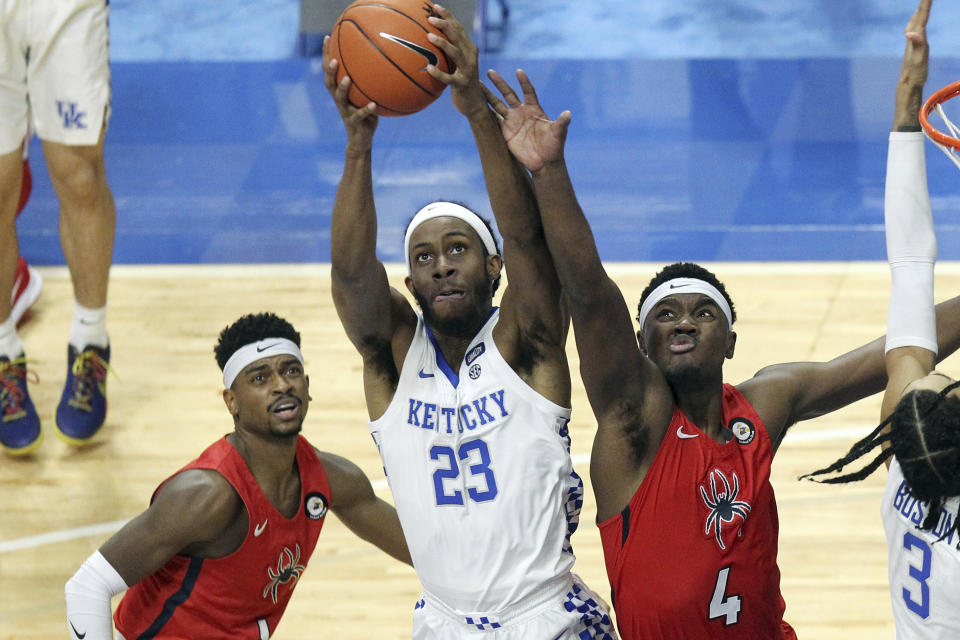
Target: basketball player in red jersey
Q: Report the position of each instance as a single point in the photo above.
(225, 539)
(681, 460)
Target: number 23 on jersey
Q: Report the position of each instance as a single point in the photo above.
(466, 468)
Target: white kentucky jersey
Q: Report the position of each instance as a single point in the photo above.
(924, 571)
(480, 470)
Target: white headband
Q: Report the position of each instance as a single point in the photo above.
(453, 210)
(684, 285)
(256, 351)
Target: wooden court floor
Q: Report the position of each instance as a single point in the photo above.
(59, 505)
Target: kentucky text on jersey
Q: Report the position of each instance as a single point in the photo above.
(914, 511)
(470, 415)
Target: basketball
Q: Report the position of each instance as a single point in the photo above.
(382, 45)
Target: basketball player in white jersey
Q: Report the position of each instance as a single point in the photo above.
(920, 432)
(468, 402)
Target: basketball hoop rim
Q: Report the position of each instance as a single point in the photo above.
(937, 98)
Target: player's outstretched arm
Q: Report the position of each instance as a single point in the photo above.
(537, 143)
(787, 393)
(366, 515)
(625, 389)
(531, 308)
(610, 359)
(368, 308)
(911, 344)
(359, 282)
(193, 508)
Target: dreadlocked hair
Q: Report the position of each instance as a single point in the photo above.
(687, 270)
(251, 328)
(486, 223)
(857, 451)
(924, 437)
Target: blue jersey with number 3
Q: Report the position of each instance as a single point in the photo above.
(480, 470)
(924, 573)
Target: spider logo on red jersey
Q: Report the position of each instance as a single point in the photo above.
(724, 506)
(286, 572)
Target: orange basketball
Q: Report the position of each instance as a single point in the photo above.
(382, 45)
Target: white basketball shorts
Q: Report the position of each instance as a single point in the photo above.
(571, 611)
(55, 70)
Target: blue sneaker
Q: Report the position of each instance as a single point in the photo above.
(20, 431)
(83, 405)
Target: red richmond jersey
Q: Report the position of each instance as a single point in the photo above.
(242, 595)
(694, 554)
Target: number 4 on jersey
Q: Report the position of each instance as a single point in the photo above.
(722, 605)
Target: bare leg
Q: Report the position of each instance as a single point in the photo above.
(87, 217)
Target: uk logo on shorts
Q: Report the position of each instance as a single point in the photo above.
(720, 494)
(72, 119)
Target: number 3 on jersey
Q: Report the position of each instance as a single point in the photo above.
(722, 605)
(481, 485)
(921, 574)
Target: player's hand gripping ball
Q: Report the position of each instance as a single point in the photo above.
(382, 45)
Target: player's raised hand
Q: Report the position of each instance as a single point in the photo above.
(913, 73)
(360, 123)
(464, 81)
(916, 30)
(533, 138)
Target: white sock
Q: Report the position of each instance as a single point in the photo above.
(89, 328)
(10, 345)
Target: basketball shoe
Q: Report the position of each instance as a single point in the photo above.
(83, 405)
(20, 431)
(26, 289)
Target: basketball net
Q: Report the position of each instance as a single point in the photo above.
(949, 143)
